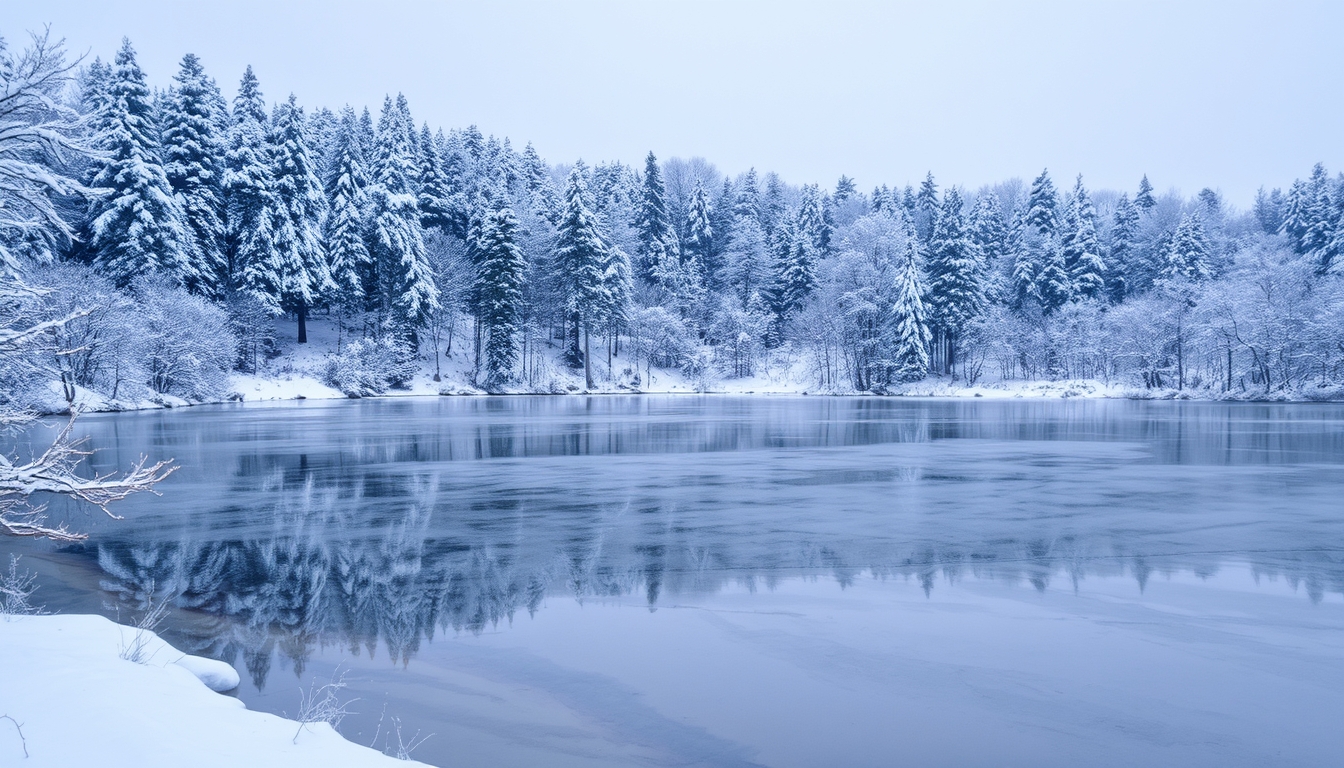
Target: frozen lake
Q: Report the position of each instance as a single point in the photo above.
(735, 581)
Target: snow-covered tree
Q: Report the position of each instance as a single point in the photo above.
(301, 208)
(956, 279)
(347, 252)
(404, 276)
(193, 150)
(1188, 255)
(1042, 205)
(1082, 249)
(696, 251)
(435, 192)
(656, 236)
(40, 136)
(910, 330)
(250, 208)
(500, 289)
(137, 221)
(580, 261)
(1124, 231)
(1144, 200)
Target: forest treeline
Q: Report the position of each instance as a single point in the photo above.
(168, 228)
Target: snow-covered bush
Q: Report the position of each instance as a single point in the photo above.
(254, 328)
(188, 346)
(102, 347)
(369, 367)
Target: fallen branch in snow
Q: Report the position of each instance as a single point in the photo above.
(18, 727)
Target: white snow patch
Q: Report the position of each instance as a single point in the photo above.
(78, 702)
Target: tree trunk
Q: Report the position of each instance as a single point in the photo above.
(303, 321)
(587, 358)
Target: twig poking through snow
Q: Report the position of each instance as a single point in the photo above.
(322, 705)
(18, 727)
(402, 749)
(15, 589)
(144, 628)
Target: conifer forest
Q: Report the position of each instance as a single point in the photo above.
(165, 223)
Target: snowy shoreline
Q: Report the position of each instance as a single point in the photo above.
(76, 700)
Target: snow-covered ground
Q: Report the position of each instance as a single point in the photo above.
(74, 701)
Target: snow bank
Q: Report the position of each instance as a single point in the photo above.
(78, 702)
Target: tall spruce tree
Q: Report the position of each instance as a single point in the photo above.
(1082, 249)
(405, 279)
(1043, 205)
(1124, 235)
(434, 191)
(137, 224)
(1188, 255)
(926, 208)
(656, 236)
(301, 208)
(1144, 200)
(910, 330)
(1054, 288)
(696, 250)
(500, 290)
(192, 150)
(250, 210)
(580, 260)
(956, 280)
(346, 186)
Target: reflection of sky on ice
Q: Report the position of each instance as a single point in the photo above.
(784, 581)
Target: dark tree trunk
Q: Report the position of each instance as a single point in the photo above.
(303, 321)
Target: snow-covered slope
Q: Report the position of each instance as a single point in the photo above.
(63, 681)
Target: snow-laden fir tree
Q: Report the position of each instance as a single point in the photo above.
(910, 330)
(137, 222)
(1054, 287)
(1188, 256)
(580, 261)
(956, 280)
(1144, 200)
(347, 253)
(250, 210)
(301, 209)
(1043, 205)
(405, 280)
(500, 272)
(926, 208)
(656, 236)
(192, 154)
(1082, 248)
(1120, 264)
(699, 233)
(540, 189)
(794, 271)
(748, 201)
(434, 191)
(810, 223)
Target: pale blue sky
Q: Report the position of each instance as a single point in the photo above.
(1224, 94)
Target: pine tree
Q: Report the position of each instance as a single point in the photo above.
(301, 207)
(1124, 233)
(926, 208)
(1318, 220)
(1144, 200)
(580, 261)
(794, 270)
(192, 146)
(910, 355)
(656, 236)
(988, 231)
(137, 223)
(500, 288)
(1268, 210)
(1042, 205)
(404, 277)
(1188, 255)
(346, 184)
(249, 203)
(772, 205)
(1053, 285)
(956, 279)
(845, 189)
(700, 233)
(1082, 249)
(435, 193)
(748, 202)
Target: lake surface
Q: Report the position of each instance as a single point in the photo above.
(741, 581)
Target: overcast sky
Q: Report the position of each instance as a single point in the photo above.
(1230, 95)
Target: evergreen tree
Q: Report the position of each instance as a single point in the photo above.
(956, 279)
(1144, 200)
(192, 146)
(700, 233)
(772, 205)
(656, 237)
(1124, 234)
(435, 193)
(926, 208)
(988, 232)
(1042, 205)
(811, 224)
(580, 260)
(1082, 249)
(1318, 221)
(1054, 288)
(301, 207)
(404, 277)
(1188, 255)
(794, 271)
(500, 289)
(1268, 210)
(910, 356)
(845, 189)
(249, 203)
(137, 224)
(346, 184)
(748, 202)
